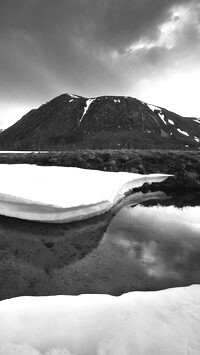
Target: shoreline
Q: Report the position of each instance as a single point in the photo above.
(184, 165)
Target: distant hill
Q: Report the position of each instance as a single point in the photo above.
(106, 122)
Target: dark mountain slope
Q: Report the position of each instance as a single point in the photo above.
(71, 121)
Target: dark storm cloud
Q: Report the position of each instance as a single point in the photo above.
(113, 23)
(52, 46)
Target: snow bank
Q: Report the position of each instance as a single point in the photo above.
(162, 322)
(62, 194)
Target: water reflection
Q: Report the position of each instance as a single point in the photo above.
(164, 241)
(132, 248)
(143, 249)
(30, 251)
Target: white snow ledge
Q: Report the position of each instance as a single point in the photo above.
(142, 323)
(62, 194)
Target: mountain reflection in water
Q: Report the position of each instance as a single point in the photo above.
(134, 248)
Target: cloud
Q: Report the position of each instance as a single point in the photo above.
(92, 47)
(26, 349)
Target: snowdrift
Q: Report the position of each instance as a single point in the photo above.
(161, 322)
(63, 194)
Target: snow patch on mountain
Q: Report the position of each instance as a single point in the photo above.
(182, 132)
(196, 139)
(74, 96)
(160, 114)
(171, 122)
(197, 120)
(88, 103)
(117, 100)
(152, 107)
(162, 117)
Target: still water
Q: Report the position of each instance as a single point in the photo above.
(135, 248)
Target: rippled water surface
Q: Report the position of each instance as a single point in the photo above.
(138, 248)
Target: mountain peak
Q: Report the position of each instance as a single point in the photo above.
(72, 121)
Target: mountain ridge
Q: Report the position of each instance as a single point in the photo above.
(71, 121)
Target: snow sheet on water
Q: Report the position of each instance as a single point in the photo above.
(63, 194)
(158, 323)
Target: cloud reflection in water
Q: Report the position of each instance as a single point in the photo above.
(164, 241)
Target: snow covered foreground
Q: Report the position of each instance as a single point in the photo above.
(158, 323)
(63, 194)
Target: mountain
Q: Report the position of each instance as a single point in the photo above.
(106, 122)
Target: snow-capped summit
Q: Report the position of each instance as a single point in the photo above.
(112, 122)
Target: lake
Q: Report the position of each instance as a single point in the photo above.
(151, 246)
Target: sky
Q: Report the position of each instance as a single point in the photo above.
(148, 49)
